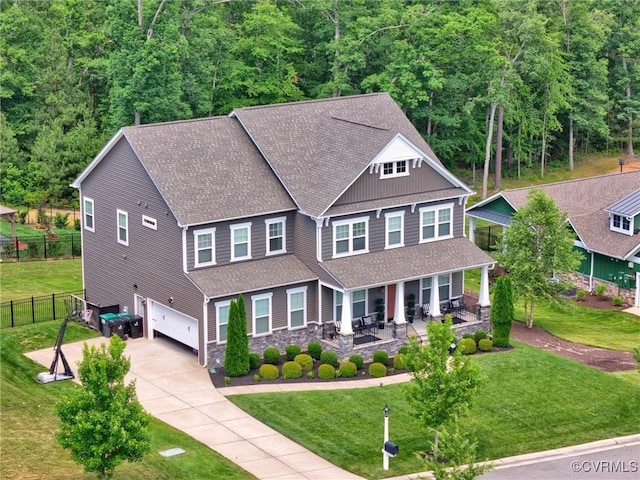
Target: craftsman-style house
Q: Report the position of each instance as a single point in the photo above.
(330, 217)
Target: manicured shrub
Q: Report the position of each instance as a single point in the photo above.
(310, 375)
(377, 370)
(315, 350)
(601, 289)
(399, 361)
(329, 358)
(485, 345)
(291, 351)
(357, 359)
(305, 361)
(580, 294)
(380, 356)
(271, 355)
(236, 357)
(467, 335)
(326, 371)
(256, 378)
(404, 349)
(254, 360)
(479, 335)
(348, 369)
(617, 301)
(291, 369)
(502, 312)
(467, 346)
(269, 371)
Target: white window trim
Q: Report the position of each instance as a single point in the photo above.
(271, 221)
(436, 209)
(620, 229)
(232, 229)
(428, 300)
(149, 222)
(126, 227)
(366, 301)
(337, 318)
(350, 222)
(93, 214)
(387, 216)
(196, 234)
(255, 299)
(293, 291)
(395, 173)
(219, 305)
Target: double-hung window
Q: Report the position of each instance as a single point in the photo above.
(204, 243)
(123, 227)
(88, 215)
(240, 241)
(358, 304)
(444, 288)
(620, 224)
(297, 307)
(436, 222)
(276, 235)
(350, 236)
(394, 222)
(222, 319)
(261, 313)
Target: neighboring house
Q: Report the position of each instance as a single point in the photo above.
(604, 213)
(315, 211)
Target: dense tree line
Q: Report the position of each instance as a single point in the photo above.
(514, 84)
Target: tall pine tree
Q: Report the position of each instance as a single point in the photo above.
(236, 359)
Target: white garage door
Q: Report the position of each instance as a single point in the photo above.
(174, 324)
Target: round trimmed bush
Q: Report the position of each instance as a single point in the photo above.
(404, 349)
(467, 335)
(269, 371)
(377, 370)
(326, 371)
(329, 358)
(380, 356)
(315, 350)
(291, 351)
(305, 361)
(485, 345)
(467, 346)
(271, 355)
(254, 361)
(479, 335)
(399, 361)
(348, 369)
(357, 359)
(291, 369)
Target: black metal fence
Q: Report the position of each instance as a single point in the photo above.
(486, 237)
(40, 247)
(36, 309)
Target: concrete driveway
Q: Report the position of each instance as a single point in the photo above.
(172, 387)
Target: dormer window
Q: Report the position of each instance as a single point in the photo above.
(394, 169)
(620, 224)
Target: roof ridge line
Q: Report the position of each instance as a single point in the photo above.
(360, 123)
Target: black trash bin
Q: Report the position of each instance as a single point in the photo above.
(119, 327)
(135, 326)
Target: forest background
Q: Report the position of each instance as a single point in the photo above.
(508, 86)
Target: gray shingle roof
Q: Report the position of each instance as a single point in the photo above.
(318, 148)
(628, 206)
(402, 264)
(251, 276)
(207, 170)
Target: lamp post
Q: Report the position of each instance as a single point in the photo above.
(385, 456)
(621, 163)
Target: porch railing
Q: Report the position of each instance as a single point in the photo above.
(378, 332)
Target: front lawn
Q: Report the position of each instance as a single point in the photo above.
(27, 422)
(533, 400)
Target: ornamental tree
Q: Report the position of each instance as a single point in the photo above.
(102, 423)
(537, 248)
(442, 385)
(502, 312)
(236, 358)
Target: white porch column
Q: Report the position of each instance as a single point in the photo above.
(345, 321)
(434, 307)
(472, 230)
(398, 314)
(484, 288)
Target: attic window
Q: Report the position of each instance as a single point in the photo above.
(394, 169)
(620, 224)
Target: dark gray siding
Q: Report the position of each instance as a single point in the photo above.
(278, 307)
(369, 186)
(258, 237)
(153, 258)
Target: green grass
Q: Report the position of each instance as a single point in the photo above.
(25, 279)
(27, 422)
(533, 400)
(610, 329)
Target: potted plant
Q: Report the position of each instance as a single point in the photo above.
(380, 312)
(411, 307)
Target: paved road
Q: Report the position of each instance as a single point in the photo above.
(617, 463)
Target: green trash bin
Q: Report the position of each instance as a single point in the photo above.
(106, 323)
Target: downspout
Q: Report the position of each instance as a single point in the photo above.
(184, 249)
(591, 273)
(205, 333)
(319, 239)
